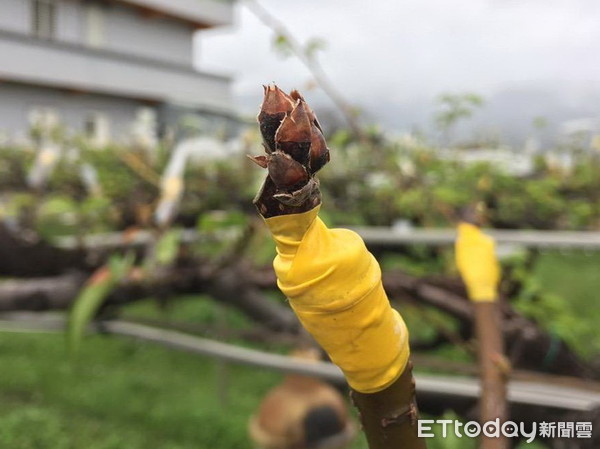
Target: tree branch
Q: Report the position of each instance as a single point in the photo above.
(35, 257)
(229, 286)
(312, 64)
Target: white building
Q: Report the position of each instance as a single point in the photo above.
(100, 66)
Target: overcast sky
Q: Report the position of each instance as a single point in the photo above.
(407, 51)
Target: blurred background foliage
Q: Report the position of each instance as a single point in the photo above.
(118, 393)
(365, 186)
(394, 182)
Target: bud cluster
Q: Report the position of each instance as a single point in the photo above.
(294, 144)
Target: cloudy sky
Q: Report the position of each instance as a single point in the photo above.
(403, 53)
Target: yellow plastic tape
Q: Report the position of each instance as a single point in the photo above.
(334, 286)
(476, 260)
(172, 188)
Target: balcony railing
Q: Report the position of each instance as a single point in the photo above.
(30, 60)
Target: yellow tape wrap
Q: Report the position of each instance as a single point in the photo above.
(476, 260)
(334, 286)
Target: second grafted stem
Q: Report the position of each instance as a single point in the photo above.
(493, 404)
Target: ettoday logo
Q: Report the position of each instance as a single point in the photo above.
(509, 429)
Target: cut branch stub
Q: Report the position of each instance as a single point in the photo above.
(296, 150)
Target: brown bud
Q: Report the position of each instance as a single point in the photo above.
(295, 95)
(294, 135)
(276, 104)
(286, 173)
(276, 101)
(474, 213)
(319, 153)
(295, 152)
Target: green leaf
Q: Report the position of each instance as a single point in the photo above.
(282, 45)
(168, 247)
(120, 265)
(93, 294)
(85, 307)
(217, 220)
(313, 46)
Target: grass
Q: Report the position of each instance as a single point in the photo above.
(119, 394)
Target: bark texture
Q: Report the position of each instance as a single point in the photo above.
(389, 417)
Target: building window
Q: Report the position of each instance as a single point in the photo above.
(95, 34)
(44, 18)
(97, 128)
